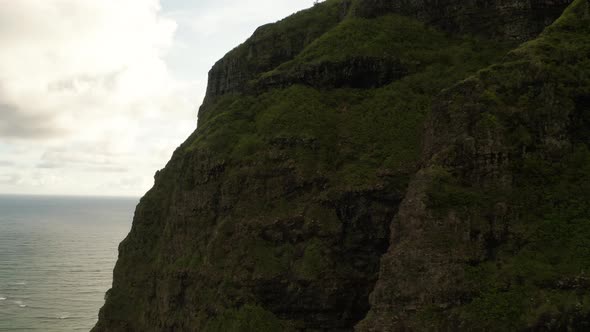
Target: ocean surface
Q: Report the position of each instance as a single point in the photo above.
(56, 259)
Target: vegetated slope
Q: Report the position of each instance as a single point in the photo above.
(274, 214)
(494, 233)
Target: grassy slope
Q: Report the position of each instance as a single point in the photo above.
(357, 131)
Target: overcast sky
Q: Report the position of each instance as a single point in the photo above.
(96, 94)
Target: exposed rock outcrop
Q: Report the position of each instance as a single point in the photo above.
(359, 73)
(270, 46)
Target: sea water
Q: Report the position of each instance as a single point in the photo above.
(56, 259)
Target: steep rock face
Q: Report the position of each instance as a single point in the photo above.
(272, 45)
(274, 214)
(486, 236)
(220, 240)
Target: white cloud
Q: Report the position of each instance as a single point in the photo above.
(84, 88)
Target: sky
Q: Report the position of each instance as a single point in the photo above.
(95, 95)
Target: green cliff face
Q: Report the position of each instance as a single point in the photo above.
(377, 165)
(494, 231)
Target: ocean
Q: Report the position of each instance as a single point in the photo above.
(56, 259)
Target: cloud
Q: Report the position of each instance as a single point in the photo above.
(84, 88)
(77, 60)
(211, 17)
(10, 179)
(17, 124)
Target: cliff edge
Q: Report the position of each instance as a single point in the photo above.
(377, 165)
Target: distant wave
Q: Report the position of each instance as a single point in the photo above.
(20, 304)
(59, 269)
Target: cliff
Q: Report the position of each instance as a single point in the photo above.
(377, 166)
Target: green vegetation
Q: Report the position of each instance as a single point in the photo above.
(312, 263)
(543, 269)
(410, 42)
(447, 193)
(248, 318)
(348, 134)
(537, 274)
